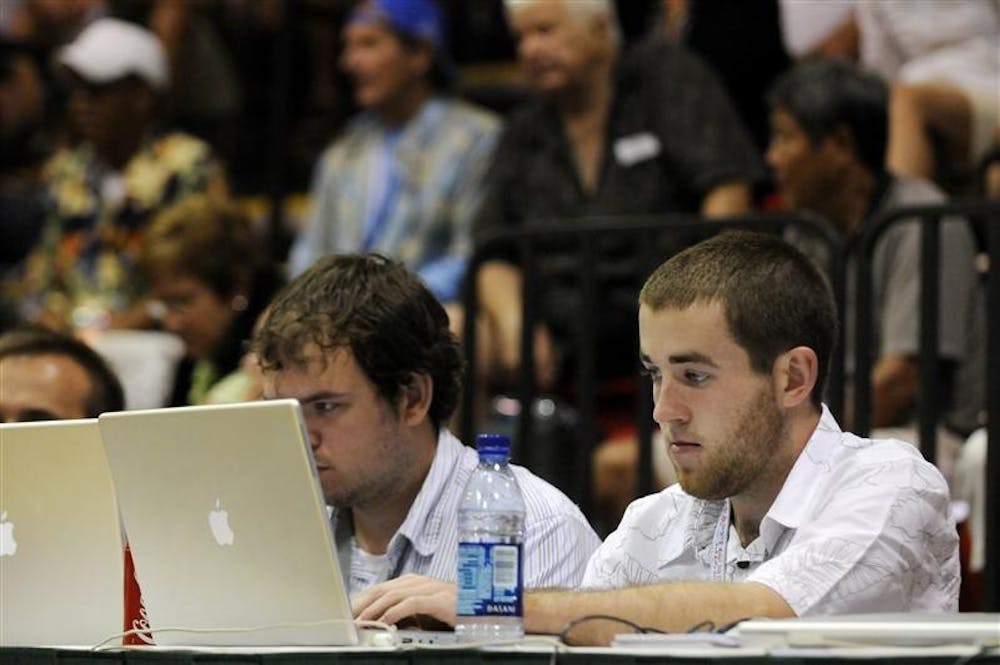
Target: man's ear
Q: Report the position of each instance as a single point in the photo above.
(795, 374)
(416, 398)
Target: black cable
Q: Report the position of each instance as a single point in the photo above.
(726, 627)
(604, 617)
(707, 625)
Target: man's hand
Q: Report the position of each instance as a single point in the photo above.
(407, 596)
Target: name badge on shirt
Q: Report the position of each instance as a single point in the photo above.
(630, 150)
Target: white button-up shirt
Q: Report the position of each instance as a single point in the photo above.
(860, 525)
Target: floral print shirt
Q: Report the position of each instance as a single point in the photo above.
(84, 266)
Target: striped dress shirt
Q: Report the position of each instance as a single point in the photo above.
(558, 539)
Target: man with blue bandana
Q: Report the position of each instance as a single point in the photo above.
(404, 179)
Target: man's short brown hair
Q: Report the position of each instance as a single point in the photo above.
(774, 298)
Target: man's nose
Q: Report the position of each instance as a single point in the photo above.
(527, 47)
(668, 406)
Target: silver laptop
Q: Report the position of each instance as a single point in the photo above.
(227, 525)
(888, 629)
(61, 558)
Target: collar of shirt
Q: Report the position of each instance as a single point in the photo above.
(422, 527)
(790, 507)
(794, 501)
(420, 130)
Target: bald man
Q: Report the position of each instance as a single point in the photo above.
(49, 376)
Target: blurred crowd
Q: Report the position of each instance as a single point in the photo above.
(166, 165)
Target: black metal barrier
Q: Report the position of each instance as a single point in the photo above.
(987, 215)
(652, 239)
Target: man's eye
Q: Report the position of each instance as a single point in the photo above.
(323, 408)
(695, 377)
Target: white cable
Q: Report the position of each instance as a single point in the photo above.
(542, 640)
(217, 629)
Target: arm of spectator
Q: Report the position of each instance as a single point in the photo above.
(499, 293)
(726, 200)
(894, 390)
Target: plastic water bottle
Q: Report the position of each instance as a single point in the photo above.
(490, 548)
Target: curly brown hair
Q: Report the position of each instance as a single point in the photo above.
(383, 313)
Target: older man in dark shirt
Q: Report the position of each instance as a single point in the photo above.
(650, 133)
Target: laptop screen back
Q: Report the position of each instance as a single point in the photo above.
(228, 529)
(61, 561)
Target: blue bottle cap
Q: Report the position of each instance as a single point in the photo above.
(493, 445)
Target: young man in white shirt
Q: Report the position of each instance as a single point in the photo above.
(777, 512)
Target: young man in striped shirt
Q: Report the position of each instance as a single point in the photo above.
(365, 347)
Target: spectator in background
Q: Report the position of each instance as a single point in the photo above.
(365, 348)
(212, 278)
(742, 43)
(46, 375)
(22, 107)
(405, 177)
(104, 191)
(48, 24)
(829, 133)
(606, 135)
(943, 61)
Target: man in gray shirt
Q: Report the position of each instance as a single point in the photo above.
(829, 134)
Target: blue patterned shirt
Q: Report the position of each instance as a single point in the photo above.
(409, 193)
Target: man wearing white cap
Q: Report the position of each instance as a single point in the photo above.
(103, 190)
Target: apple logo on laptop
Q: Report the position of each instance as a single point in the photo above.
(8, 546)
(218, 522)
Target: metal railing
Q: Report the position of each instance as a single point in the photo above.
(929, 396)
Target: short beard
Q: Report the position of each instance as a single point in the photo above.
(743, 455)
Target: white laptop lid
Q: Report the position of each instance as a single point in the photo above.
(61, 559)
(228, 529)
(888, 629)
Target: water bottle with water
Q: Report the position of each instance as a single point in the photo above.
(490, 548)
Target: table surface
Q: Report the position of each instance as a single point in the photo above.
(521, 655)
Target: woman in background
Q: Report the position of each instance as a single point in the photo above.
(209, 271)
